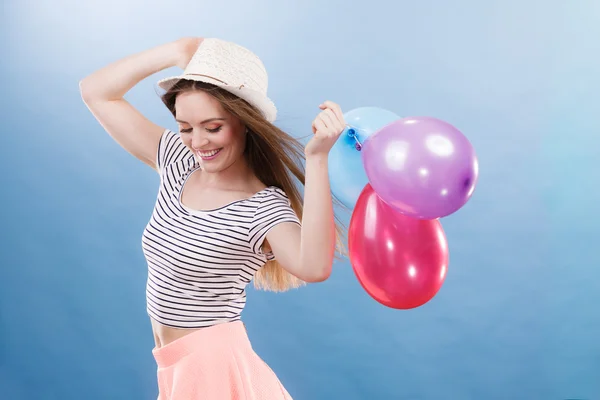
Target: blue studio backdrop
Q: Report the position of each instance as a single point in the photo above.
(517, 317)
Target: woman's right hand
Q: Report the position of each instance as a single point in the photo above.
(187, 48)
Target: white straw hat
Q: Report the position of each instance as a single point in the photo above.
(231, 67)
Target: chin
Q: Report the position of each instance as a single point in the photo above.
(211, 169)
(214, 167)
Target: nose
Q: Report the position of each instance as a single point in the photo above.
(198, 141)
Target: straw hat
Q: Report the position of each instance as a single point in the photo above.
(231, 67)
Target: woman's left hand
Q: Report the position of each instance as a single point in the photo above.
(327, 127)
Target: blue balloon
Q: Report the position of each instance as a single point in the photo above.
(347, 176)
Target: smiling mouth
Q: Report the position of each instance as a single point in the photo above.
(208, 155)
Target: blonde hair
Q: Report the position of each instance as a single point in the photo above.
(274, 156)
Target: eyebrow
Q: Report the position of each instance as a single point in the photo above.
(203, 122)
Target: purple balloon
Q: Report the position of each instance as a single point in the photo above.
(421, 166)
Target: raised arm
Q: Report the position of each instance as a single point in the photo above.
(103, 92)
(308, 252)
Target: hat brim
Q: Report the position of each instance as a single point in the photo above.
(263, 103)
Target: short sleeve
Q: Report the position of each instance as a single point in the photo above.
(274, 208)
(170, 149)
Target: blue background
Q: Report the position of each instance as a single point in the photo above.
(517, 317)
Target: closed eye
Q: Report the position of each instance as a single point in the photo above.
(214, 130)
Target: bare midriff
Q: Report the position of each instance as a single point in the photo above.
(163, 335)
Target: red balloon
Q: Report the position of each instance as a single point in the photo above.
(400, 261)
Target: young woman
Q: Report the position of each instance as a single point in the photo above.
(227, 211)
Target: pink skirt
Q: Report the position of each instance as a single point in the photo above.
(215, 363)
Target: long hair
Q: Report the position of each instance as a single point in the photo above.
(274, 156)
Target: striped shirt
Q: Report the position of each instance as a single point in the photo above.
(200, 262)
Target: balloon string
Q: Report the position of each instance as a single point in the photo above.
(352, 133)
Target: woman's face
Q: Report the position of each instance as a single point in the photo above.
(216, 137)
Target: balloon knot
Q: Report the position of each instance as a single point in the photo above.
(352, 134)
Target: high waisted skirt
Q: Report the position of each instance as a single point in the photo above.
(215, 363)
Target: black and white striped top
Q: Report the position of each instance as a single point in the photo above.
(200, 262)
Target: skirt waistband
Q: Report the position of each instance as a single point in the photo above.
(206, 339)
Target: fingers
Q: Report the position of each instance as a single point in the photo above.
(329, 118)
(332, 115)
(327, 127)
(319, 125)
(336, 109)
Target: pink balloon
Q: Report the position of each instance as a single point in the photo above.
(400, 261)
